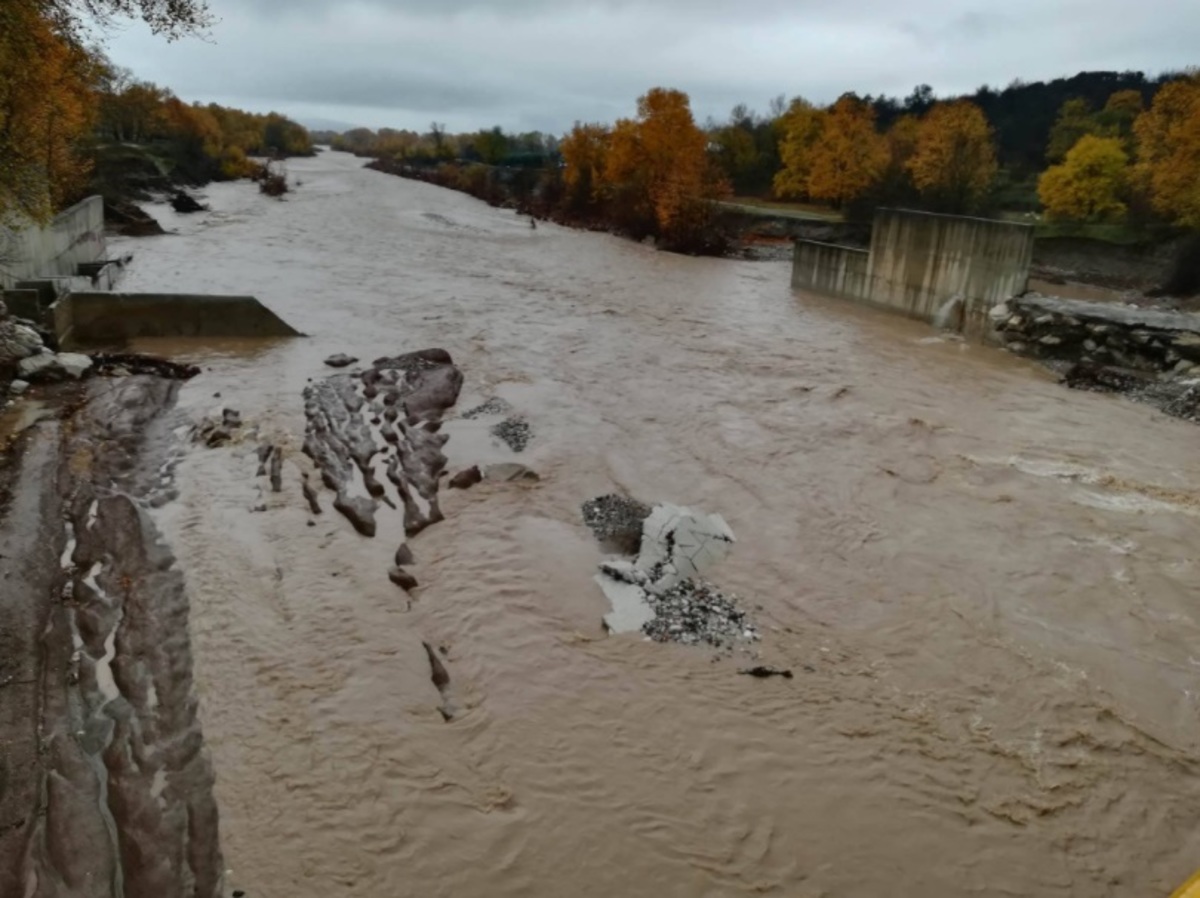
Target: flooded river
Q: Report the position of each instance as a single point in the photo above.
(988, 586)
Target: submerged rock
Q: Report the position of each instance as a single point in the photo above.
(510, 472)
(466, 479)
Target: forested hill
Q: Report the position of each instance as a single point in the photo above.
(1024, 113)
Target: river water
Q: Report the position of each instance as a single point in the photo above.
(988, 586)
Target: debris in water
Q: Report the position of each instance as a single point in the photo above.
(765, 672)
(514, 432)
(662, 592)
(403, 579)
(493, 406)
(441, 679)
(617, 520)
(510, 472)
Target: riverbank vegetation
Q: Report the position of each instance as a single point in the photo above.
(1110, 155)
(72, 123)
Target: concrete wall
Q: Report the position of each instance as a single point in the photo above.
(920, 261)
(73, 237)
(826, 268)
(92, 319)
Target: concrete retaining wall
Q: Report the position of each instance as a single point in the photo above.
(826, 268)
(919, 262)
(74, 237)
(90, 319)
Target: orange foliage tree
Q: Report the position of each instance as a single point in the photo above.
(954, 163)
(849, 156)
(46, 103)
(657, 171)
(584, 155)
(801, 125)
(1168, 151)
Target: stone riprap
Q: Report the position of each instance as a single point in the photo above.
(1151, 355)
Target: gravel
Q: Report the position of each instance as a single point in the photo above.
(515, 432)
(493, 406)
(694, 612)
(617, 519)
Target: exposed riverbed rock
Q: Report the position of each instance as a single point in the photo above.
(341, 360)
(617, 521)
(17, 342)
(359, 459)
(107, 790)
(186, 204)
(514, 433)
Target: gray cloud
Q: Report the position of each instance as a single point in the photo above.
(545, 63)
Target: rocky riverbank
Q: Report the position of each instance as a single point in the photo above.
(1151, 355)
(105, 786)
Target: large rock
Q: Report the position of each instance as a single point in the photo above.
(17, 342)
(50, 367)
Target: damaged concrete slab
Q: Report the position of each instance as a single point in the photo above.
(678, 544)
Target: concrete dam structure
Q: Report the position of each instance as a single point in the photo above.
(920, 263)
(93, 319)
(74, 238)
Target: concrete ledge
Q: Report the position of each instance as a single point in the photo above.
(89, 319)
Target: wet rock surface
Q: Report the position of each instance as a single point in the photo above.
(514, 433)
(115, 797)
(464, 480)
(380, 428)
(341, 360)
(1149, 355)
(185, 204)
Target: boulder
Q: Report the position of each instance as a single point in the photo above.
(341, 360)
(18, 387)
(184, 203)
(466, 479)
(17, 342)
(49, 367)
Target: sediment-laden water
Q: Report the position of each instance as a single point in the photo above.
(986, 585)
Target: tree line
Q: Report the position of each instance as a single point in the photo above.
(69, 116)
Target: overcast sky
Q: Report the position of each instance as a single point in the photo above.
(543, 64)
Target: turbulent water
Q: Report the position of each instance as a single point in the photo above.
(986, 585)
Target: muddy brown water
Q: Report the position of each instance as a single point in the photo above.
(988, 586)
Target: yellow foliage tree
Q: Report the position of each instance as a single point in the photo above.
(801, 126)
(1168, 150)
(954, 163)
(584, 153)
(849, 156)
(1088, 184)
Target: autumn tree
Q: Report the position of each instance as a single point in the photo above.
(170, 18)
(1089, 183)
(849, 156)
(1168, 151)
(46, 111)
(954, 164)
(585, 155)
(1075, 119)
(801, 128)
(491, 145)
